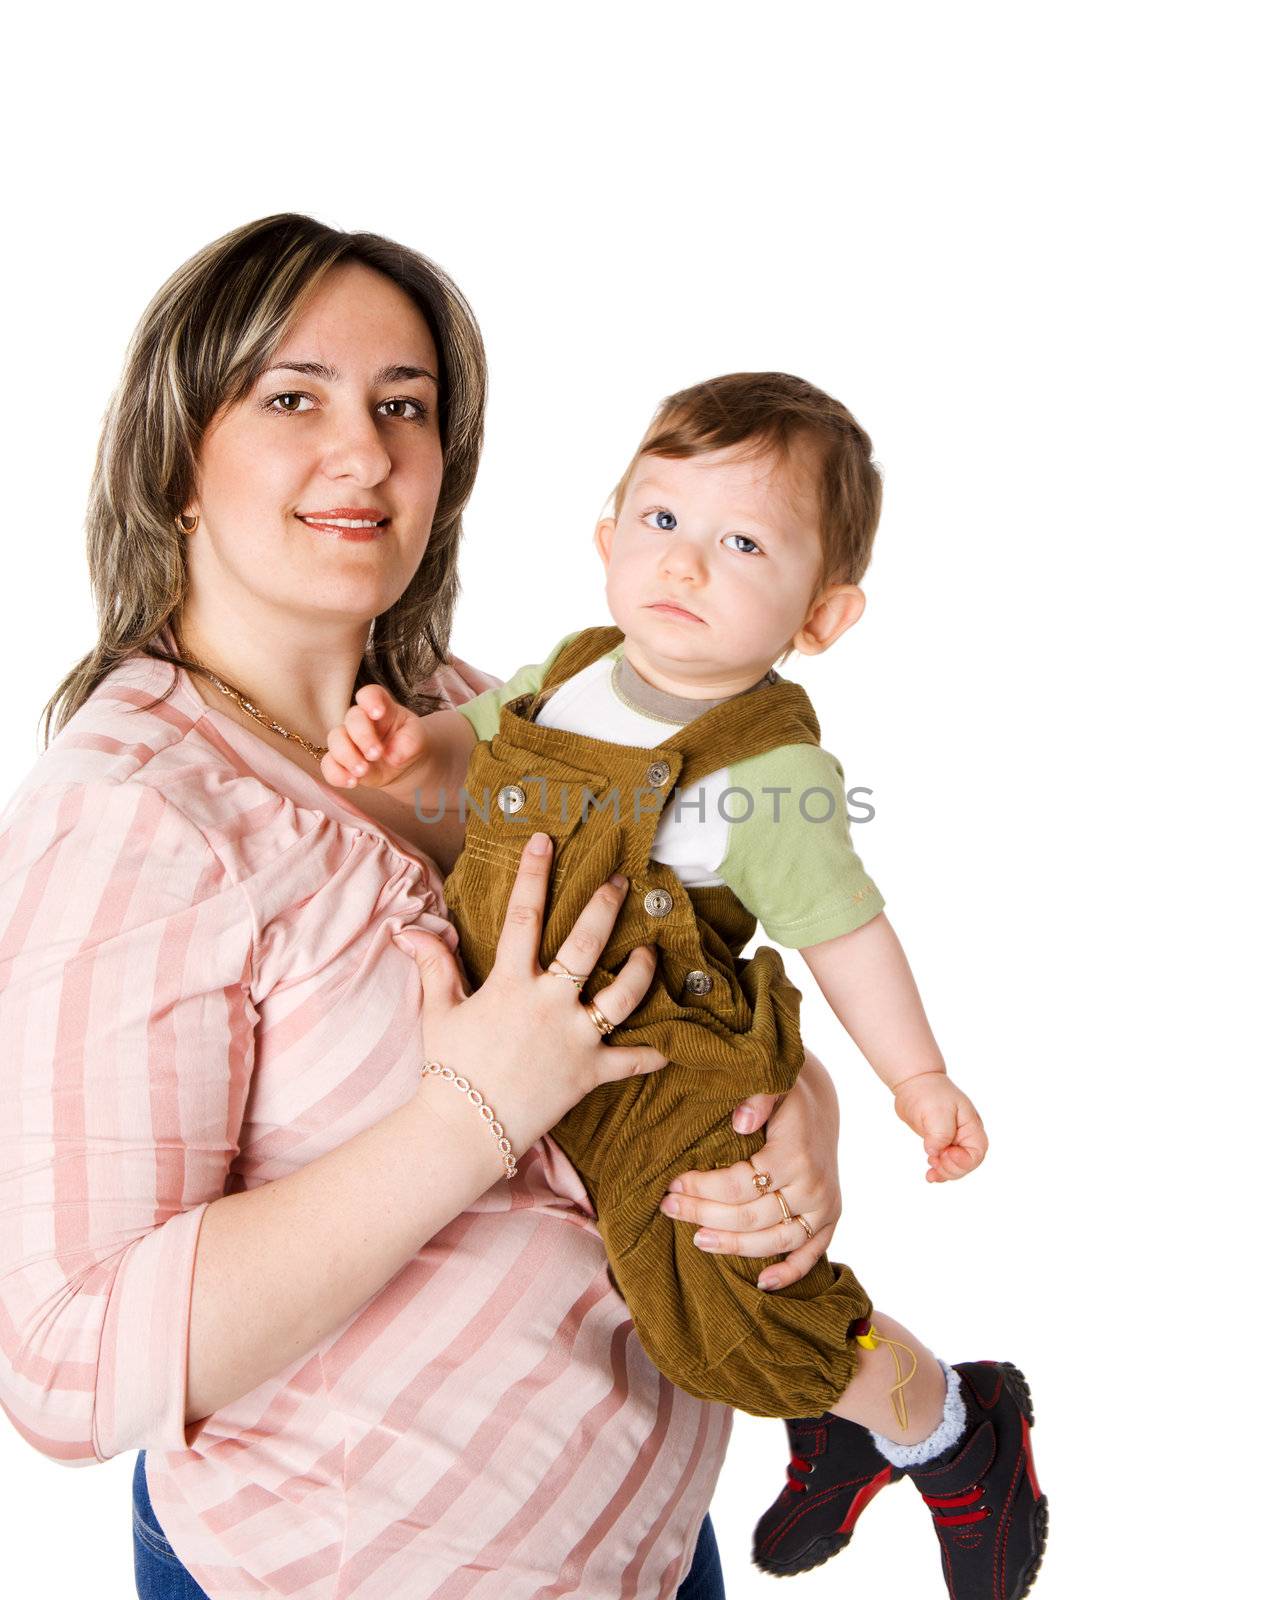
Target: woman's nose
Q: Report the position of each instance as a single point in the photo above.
(356, 450)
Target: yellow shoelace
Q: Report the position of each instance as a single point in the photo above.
(870, 1339)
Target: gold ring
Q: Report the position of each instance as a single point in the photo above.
(559, 970)
(760, 1180)
(783, 1204)
(810, 1232)
(603, 1023)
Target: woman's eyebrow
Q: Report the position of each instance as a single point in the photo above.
(318, 369)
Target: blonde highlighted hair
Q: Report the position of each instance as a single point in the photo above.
(201, 344)
(769, 413)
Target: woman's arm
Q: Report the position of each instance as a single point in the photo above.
(281, 1266)
(135, 1295)
(127, 1040)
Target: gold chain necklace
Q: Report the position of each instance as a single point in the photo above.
(315, 751)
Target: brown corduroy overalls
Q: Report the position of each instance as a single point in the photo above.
(729, 1027)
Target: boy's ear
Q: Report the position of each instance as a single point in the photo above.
(604, 538)
(830, 614)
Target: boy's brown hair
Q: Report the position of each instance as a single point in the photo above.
(771, 412)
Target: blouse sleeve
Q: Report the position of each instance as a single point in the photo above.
(126, 1049)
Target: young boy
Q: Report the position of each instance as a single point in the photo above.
(740, 532)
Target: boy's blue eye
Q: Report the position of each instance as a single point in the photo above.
(746, 540)
(666, 520)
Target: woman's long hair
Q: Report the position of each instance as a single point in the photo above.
(202, 343)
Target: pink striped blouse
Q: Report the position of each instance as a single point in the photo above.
(199, 993)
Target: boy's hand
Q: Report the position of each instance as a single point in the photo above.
(933, 1106)
(378, 744)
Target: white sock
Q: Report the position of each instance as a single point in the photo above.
(944, 1437)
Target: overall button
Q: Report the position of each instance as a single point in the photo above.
(657, 774)
(511, 799)
(658, 902)
(698, 982)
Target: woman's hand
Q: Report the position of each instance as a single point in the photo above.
(525, 1038)
(800, 1154)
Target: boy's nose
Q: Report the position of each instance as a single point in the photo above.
(682, 560)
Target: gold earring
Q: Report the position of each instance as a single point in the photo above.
(181, 520)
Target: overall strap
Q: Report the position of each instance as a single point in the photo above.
(744, 726)
(582, 651)
(748, 725)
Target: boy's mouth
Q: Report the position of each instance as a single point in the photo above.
(668, 608)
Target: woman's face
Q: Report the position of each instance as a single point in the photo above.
(342, 427)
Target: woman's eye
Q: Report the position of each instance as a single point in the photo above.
(419, 411)
(291, 403)
(662, 519)
(288, 410)
(746, 540)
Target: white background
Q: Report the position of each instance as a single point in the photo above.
(1028, 245)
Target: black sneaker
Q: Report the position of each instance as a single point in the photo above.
(990, 1514)
(834, 1472)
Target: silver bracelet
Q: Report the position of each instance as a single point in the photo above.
(436, 1070)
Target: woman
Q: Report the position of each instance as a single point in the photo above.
(239, 1229)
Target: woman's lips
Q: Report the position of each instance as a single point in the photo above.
(359, 530)
(667, 609)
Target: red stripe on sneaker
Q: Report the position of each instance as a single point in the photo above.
(987, 1401)
(1028, 1461)
(954, 1499)
(966, 1516)
(858, 1504)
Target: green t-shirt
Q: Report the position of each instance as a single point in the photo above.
(782, 843)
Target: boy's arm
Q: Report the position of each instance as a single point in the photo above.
(795, 868)
(423, 795)
(409, 769)
(866, 979)
(450, 737)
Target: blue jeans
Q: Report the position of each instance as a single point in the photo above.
(159, 1575)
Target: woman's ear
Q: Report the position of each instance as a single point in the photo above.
(604, 538)
(830, 614)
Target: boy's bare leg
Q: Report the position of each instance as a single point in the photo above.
(868, 1399)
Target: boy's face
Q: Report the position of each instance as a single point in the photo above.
(712, 564)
